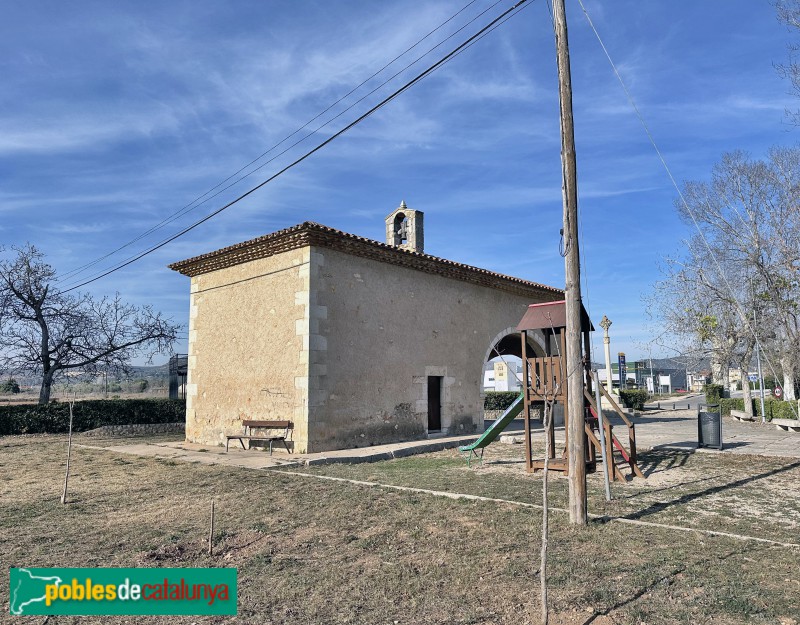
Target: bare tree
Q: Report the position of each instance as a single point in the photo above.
(746, 259)
(789, 15)
(695, 311)
(45, 331)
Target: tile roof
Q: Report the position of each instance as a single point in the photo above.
(310, 233)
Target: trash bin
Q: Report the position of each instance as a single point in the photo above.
(709, 427)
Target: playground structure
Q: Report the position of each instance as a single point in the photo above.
(545, 381)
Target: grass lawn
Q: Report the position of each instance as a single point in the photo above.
(317, 551)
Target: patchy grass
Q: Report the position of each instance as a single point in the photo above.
(740, 494)
(315, 551)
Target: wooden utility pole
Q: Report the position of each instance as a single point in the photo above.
(576, 446)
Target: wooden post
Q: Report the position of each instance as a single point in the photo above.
(211, 532)
(576, 449)
(69, 451)
(547, 419)
(526, 403)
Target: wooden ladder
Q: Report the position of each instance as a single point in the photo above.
(612, 442)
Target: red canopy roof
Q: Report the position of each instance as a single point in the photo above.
(551, 315)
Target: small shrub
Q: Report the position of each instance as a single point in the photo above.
(714, 392)
(9, 386)
(54, 417)
(726, 405)
(499, 400)
(634, 399)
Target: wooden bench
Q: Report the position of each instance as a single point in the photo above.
(741, 415)
(787, 425)
(280, 428)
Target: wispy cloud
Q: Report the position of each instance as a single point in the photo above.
(115, 116)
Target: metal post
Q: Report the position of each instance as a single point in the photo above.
(601, 425)
(760, 379)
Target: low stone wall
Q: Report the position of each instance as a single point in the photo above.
(536, 414)
(137, 428)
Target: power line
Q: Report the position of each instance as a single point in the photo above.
(495, 26)
(209, 195)
(452, 54)
(743, 317)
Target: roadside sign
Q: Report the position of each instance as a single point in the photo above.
(623, 370)
(753, 377)
(778, 391)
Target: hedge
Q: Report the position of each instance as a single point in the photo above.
(499, 400)
(634, 399)
(87, 415)
(775, 408)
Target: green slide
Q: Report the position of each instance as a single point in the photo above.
(494, 430)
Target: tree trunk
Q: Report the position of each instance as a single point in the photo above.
(44, 391)
(787, 364)
(748, 396)
(719, 372)
(789, 391)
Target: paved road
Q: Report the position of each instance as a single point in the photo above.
(684, 402)
(678, 429)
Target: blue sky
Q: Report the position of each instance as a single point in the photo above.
(116, 115)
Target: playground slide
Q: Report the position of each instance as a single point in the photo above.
(498, 426)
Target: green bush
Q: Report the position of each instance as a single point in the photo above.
(634, 399)
(499, 400)
(714, 392)
(9, 386)
(775, 408)
(726, 405)
(87, 415)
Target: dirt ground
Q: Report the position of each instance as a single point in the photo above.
(310, 550)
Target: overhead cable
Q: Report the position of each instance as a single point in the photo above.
(419, 77)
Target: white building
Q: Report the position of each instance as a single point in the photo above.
(502, 376)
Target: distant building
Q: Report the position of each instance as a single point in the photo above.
(502, 376)
(655, 377)
(696, 381)
(661, 376)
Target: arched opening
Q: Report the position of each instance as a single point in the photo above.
(400, 229)
(502, 364)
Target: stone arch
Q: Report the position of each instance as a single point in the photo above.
(508, 342)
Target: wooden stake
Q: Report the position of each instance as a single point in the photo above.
(576, 445)
(547, 419)
(211, 532)
(69, 451)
